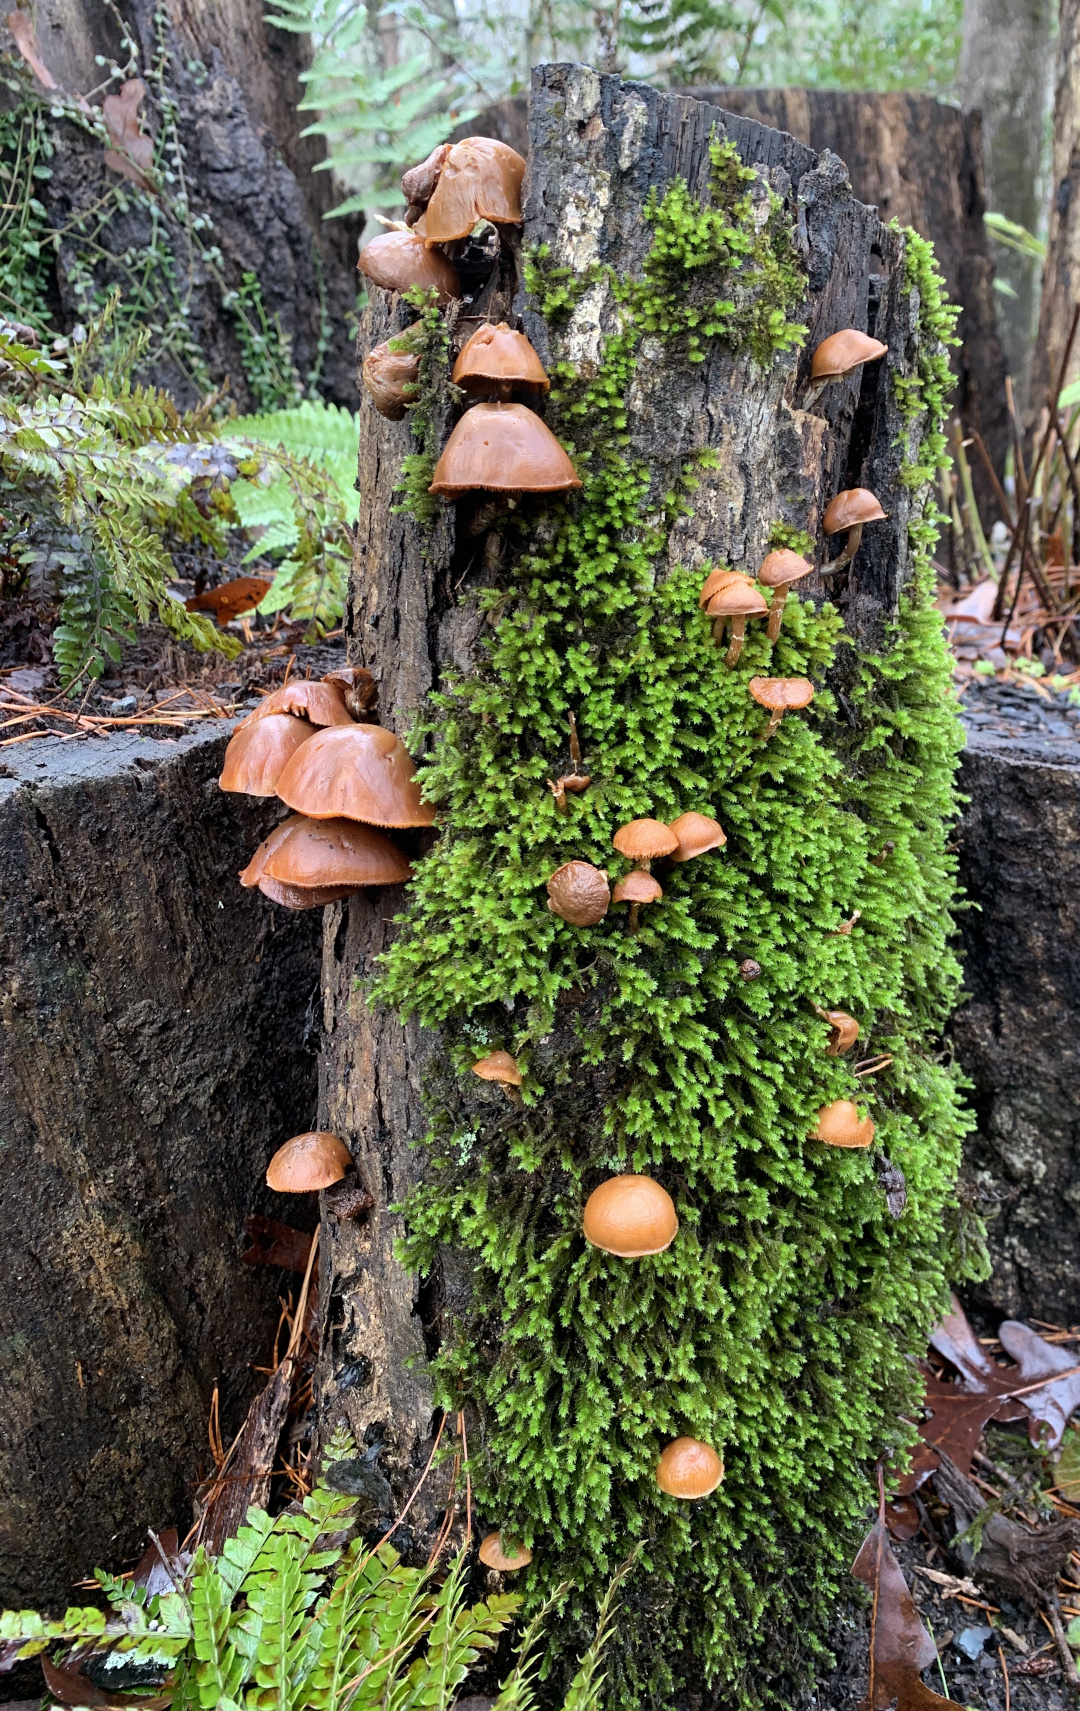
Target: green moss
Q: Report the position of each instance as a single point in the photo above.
(427, 339)
(778, 1326)
(795, 540)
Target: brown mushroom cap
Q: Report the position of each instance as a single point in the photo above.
(855, 505)
(688, 1468)
(737, 600)
(358, 686)
(359, 772)
(637, 887)
(696, 834)
(396, 260)
(839, 1125)
(503, 448)
(841, 352)
(316, 854)
(498, 1066)
(779, 569)
(308, 1162)
(718, 579)
(579, 893)
(644, 840)
(630, 1216)
(418, 184)
(480, 180)
(258, 753)
(318, 703)
(498, 353)
(493, 1555)
(845, 1031)
(782, 694)
(390, 379)
(303, 896)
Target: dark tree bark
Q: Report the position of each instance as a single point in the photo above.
(1061, 275)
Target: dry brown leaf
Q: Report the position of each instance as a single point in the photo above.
(71, 1687)
(950, 1586)
(1051, 1405)
(21, 26)
(274, 1243)
(959, 1412)
(900, 1647)
(134, 152)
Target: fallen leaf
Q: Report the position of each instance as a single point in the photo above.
(21, 26)
(955, 1339)
(1015, 1639)
(71, 1687)
(1052, 1405)
(900, 1647)
(134, 152)
(273, 1243)
(950, 1586)
(960, 1411)
(152, 1573)
(902, 1518)
(230, 599)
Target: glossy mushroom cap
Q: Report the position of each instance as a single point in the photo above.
(637, 887)
(718, 579)
(630, 1216)
(782, 694)
(480, 179)
(579, 893)
(839, 1125)
(845, 1031)
(396, 260)
(318, 703)
(319, 854)
(688, 1468)
(855, 505)
(390, 379)
(498, 353)
(781, 568)
(644, 840)
(696, 834)
(737, 600)
(502, 448)
(308, 1162)
(359, 772)
(498, 1066)
(418, 184)
(358, 686)
(259, 753)
(493, 1555)
(844, 351)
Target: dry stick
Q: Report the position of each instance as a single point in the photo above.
(1068, 1662)
(1005, 1673)
(1074, 482)
(999, 492)
(1018, 445)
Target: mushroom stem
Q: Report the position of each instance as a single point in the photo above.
(575, 745)
(774, 723)
(558, 790)
(738, 631)
(853, 540)
(776, 613)
(635, 917)
(813, 392)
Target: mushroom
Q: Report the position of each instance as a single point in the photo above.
(718, 579)
(258, 753)
(359, 688)
(396, 260)
(844, 1031)
(840, 355)
(749, 969)
(360, 772)
(630, 1216)
(503, 448)
(696, 835)
(736, 602)
(637, 889)
(390, 377)
(780, 695)
(851, 510)
(507, 1559)
(579, 893)
(500, 1067)
(778, 571)
(318, 703)
(839, 1125)
(572, 781)
(418, 184)
(641, 841)
(688, 1468)
(305, 863)
(308, 1162)
(845, 927)
(479, 179)
(496, 358)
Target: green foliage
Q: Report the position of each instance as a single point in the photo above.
(267, 350)
(26, 148)
(795, 540)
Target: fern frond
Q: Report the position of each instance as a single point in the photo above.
(584, 1691)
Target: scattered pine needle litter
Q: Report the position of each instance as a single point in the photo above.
(17, 708)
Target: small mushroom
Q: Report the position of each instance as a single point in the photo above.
(749, 969)
(306, 863)
(641, 841)
(502, 448)
(696, 835)
(839, 1125)
(733, 604)
(840, 355)
(260, 752)
(689, 1469)
(479, 179)
(358, 772)
(850, 510)
(637, 889)
(845, 926)
(502, 1068)
(391, 377)
(506, 1558)
(883, 854)
(418, 184)
(630, 1217)
(572, 781)
(397, 260)
(718, 579)
(319, 703)
(498, 360)
(579, 893)
(844, 1031)
(780, 695)
(778, 571)
(359, 688)
(308, 1162)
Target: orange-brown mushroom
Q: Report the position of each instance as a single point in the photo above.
(843, 1031)
(305, 698)
(308, 1162)
(641, 841)
(780, 695)
(502, 448)
(496, 359)
(778, 571)
(850, 510)
(391, 377)
(418, 184)
(839, 1125)
(358, 772)
(359, 688)
(396, 260)
(842, 353)
(718, 579)
(696, 835)
(500, 1067)
(733, 604)
(480, 179)
(258, 753)
(688, 1469)
(630, 1216)
(579, 893)
(305, 863)
(506, 1558)
(637, 889)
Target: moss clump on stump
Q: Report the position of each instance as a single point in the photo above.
(778, 1325)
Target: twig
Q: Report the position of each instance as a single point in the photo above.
(1018, 446)
(1068, 1662)
(1005, 1673)
(999, 492)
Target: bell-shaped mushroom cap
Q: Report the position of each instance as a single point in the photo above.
(630, 1216)
(782, 694)
(498, 1066)
(480, 180)
(396, 260)
(637, 887)
(258, 753)
(579, 893)
(737, 600)
(493, 1554)
(418, 184)
(498, 353)
(845, 1031)
(503, 448)
(390, 379)
(855, 505)
(718, 579)
(315, 854)
(688, 1468)
(644, 840)
(780, 568)
(360, 772)
(308, 1162)
(696, 834)
(839, 1125)
(844, 351)
(318, 703)
(358, 686)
